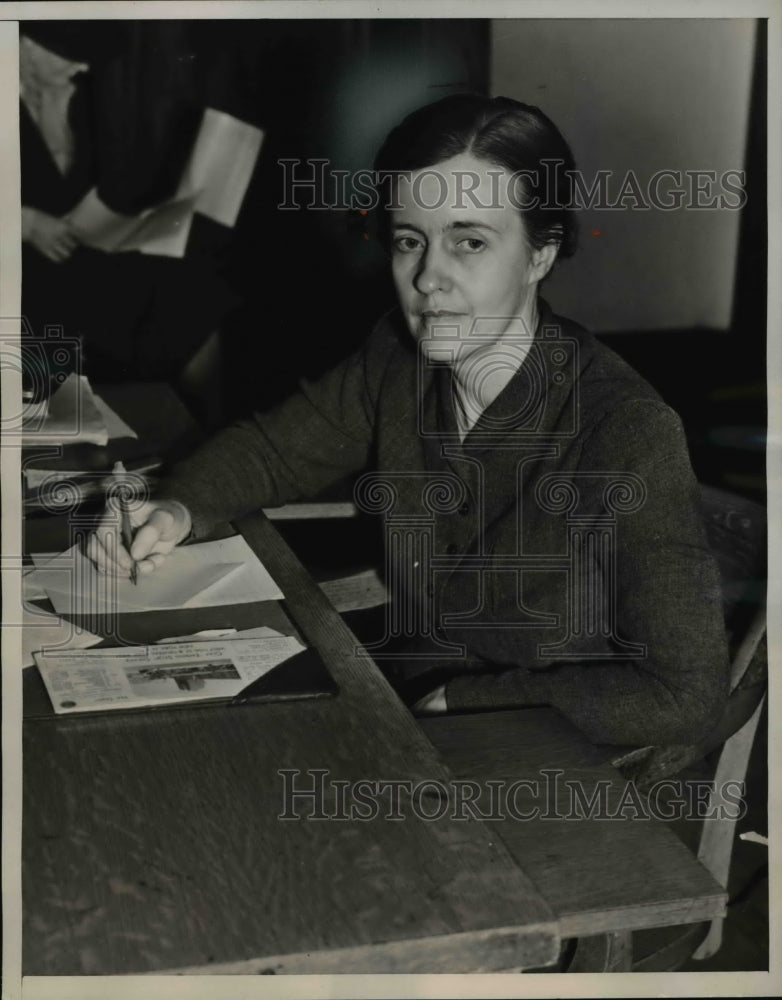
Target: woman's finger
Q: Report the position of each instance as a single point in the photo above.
(109, 539)
(108, 555)
(96, 552)
(158, 528)
(147, 539)
(152, 562)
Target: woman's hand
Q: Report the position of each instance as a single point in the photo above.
(52, 237)
(159, 526)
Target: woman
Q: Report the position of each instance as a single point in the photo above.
(568, 564)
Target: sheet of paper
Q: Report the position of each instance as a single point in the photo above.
(206, 635)
(115, 425)
(103, 679)
(353, 593)
(210, 574)
(221, 165)
(31, 589)
(164, 230)
(214, 182)
(75, 587)
(42, 631)
(262, 632)
(34, 413)
(252, 582)
(98, 225)
(73, 416)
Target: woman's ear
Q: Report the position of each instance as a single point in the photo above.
(542, 261)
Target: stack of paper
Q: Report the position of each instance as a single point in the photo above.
(115, 425)
(38, 479)
(73, 416)
(41, 484)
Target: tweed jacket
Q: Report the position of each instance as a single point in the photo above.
(555, 556)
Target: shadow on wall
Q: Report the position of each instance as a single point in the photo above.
(315, 282)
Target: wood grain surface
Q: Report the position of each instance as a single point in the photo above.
(598, 875)
(153, 841)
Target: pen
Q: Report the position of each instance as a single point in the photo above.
(126, 529)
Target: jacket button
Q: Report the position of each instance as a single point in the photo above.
(451, 549)
(464, 509)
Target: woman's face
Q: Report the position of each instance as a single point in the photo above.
(463, 270)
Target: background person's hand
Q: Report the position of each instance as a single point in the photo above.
(52, 237)
(159, 525)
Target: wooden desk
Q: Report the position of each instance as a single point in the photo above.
(153, 843)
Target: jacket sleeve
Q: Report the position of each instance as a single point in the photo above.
(667, 599)
(315, 438)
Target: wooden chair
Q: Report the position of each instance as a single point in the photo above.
(737, 533)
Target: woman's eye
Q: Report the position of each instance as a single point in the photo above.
(472, 244)
(407, 244)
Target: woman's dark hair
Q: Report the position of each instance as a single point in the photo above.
(516, 137)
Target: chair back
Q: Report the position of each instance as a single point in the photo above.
(736, 530)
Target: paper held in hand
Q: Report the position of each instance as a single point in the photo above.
(214, 182)
(99, 680)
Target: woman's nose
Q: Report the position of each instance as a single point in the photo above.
(432, 274)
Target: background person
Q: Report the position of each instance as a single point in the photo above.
(114, 106)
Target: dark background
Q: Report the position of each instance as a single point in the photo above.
(307, 286)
